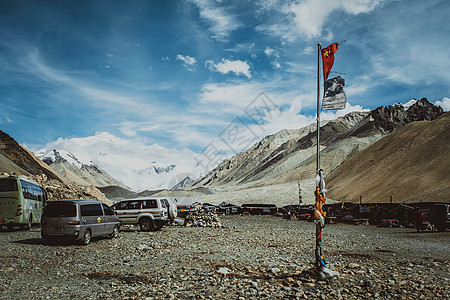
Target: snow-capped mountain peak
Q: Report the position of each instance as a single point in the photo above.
(61, 155)
(136, 165)
(155, 169)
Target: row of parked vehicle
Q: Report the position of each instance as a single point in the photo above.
(80, 219)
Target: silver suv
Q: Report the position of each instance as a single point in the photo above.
(149, 213)
(78, 219)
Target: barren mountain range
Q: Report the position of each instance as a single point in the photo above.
(411, 164)
(399, 151)
(247, 176)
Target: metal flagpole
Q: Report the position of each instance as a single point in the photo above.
(321, 270)
(319, 250)
(319, 47)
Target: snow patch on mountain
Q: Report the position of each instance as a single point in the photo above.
(408, 104)
(55, 155)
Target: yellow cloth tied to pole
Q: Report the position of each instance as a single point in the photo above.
(319, 213)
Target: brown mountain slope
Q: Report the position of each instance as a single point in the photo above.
(411, 164)
(16, 158)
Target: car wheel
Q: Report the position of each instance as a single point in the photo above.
(441, 227)
(146, 224)
(50, 240)
(86, 237)
(115, 232)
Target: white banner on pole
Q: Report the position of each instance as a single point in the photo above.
(334, 96)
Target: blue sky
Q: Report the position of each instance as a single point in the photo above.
(185, 74)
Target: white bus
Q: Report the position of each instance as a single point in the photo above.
(21, 202)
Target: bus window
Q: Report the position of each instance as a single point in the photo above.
(32, 191)
(8, 185)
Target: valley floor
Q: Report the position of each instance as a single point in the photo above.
(253, 257)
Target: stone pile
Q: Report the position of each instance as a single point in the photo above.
(57, 190)
(200, 217)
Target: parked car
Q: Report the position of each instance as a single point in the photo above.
(440, 216)
(78, 219)
(148, 213)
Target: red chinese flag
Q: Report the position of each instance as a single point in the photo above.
(328, 58)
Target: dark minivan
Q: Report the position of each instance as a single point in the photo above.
(440, 216)
(78, 219)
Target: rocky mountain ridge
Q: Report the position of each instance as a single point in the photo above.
(73, 170)
(14, 158)
(294, 157)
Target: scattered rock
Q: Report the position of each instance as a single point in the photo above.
(224, 271)
(181, 263)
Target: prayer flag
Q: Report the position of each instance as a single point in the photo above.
(334, 96)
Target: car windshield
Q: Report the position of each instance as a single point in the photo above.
(60, 210)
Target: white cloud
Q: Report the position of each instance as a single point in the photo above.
(276, 64)
(272, 53)
(195, 128)
(222, 23)
(308, 50)
(444, 103)
(309, 16)
(295, 67)
(269, 51)
(188, 61)
(245, 47)
(78, 88)
(105, 96)
(285, 31)
(234, 97)
(359, 85)
(331, 114)
(5, 119)
(237, 67)
(411, 61)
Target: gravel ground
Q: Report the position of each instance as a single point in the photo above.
(253, 257)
